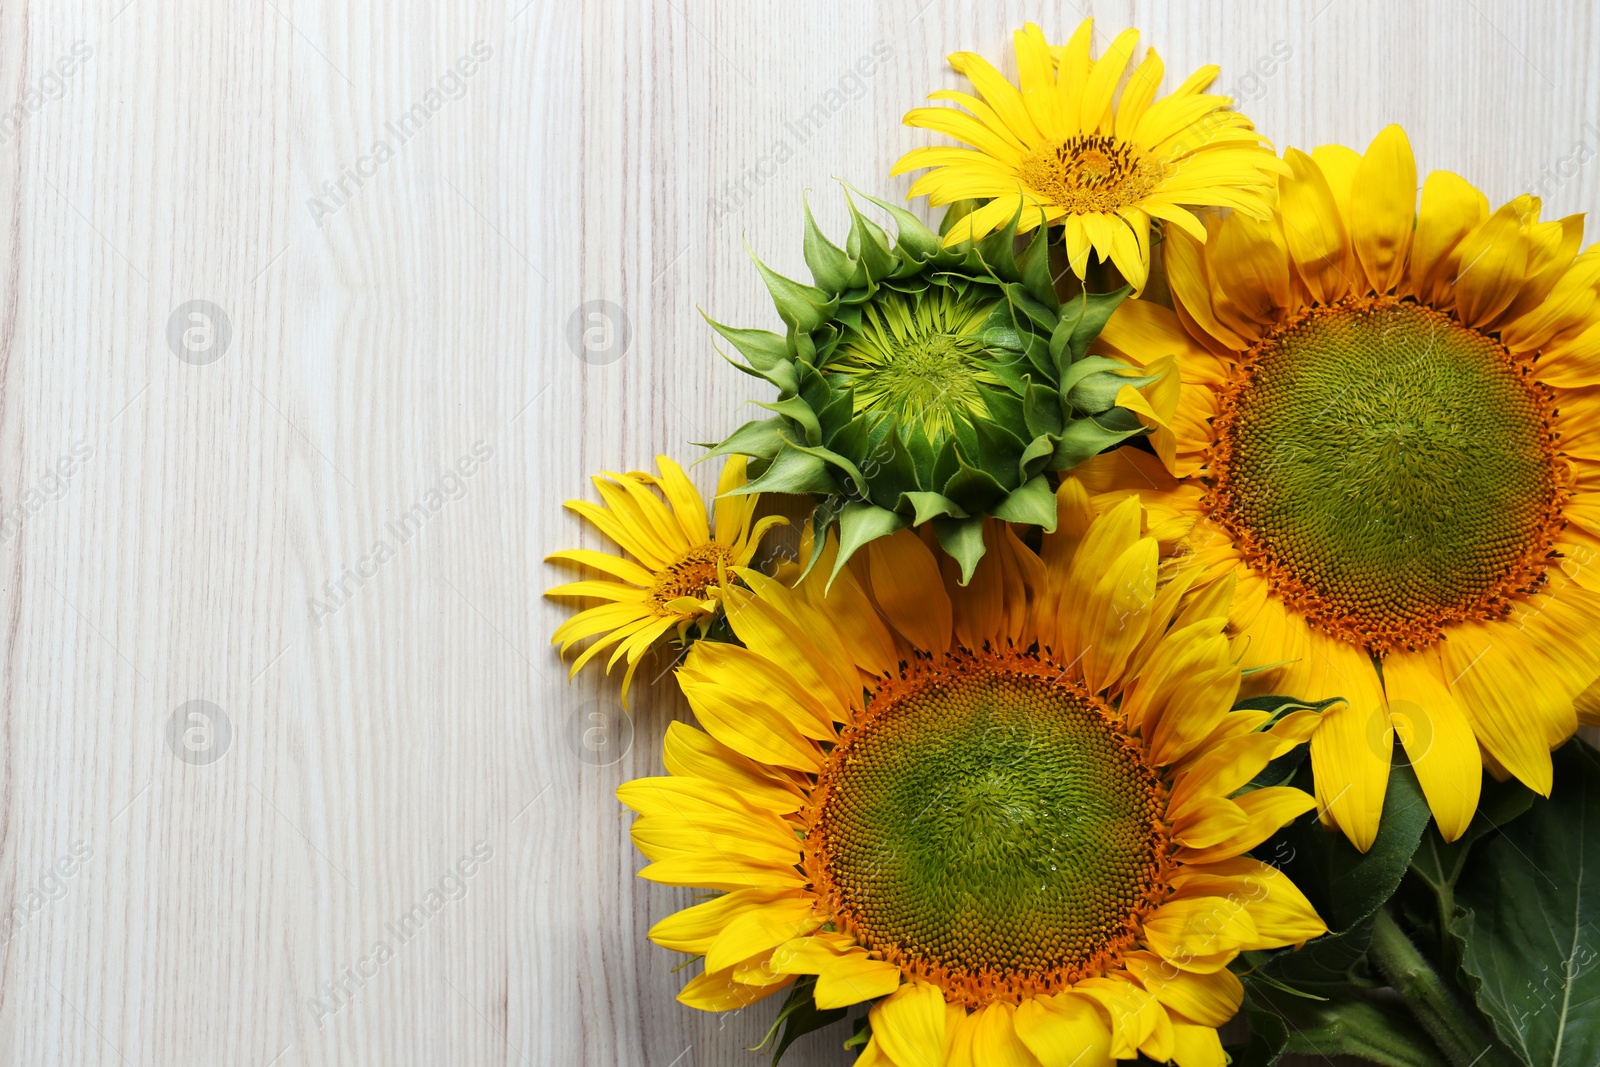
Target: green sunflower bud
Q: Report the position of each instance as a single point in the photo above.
(918, 383)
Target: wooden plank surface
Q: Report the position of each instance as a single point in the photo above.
(318, 502)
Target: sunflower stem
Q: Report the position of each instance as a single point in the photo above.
(1459, 1036)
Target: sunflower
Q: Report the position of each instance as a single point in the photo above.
(1388, 437)
(1007, 813)
(677, 562)
(1060, 151)
(919, 383)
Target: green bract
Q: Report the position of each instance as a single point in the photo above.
(918, 383)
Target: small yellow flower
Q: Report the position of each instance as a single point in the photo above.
(1060, 151)
(678, 562)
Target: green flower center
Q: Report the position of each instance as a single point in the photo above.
(989, 829)
(1390, 470)
(922, 358)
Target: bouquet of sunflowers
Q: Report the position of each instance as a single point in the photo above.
(1191, 608)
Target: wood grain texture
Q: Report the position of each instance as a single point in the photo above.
(392, 323)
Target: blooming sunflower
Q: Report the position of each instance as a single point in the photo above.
(1009, 813)
(677, 560)
(919, 383)
(1388, 435)
(1060, 151)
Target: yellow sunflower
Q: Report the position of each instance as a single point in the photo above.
(677, 560)
(1060, 151)
(1388, 436)
(1008, 813)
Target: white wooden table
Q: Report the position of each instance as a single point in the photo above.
(379, 839)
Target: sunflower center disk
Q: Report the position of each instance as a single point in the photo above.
(988, 829)
(690, 575)
(1390, 470)
(1090, 173)
(921, 358)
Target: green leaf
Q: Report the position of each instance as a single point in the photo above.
(1269, 1037)
(800, 412)
(1439, 863)
(767, 353)
(1034, 503)
(798, 1016)
(860, 523)
(1082, 319)
(1350, 1025)
(1035, 267)
(803, 307)
(958, 210)
(1346, 886)
(763, 438)
(929, 506)
(962, 539)
(1083, 439)
(868, 243)
(913, 238)
(830, 267)
(791, 471)
(1530, 904)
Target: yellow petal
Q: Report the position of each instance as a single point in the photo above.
(759, 930)
(1383, 207)
(640, 544)
(1313, 231)
(1064, 1031)
(999, 93)
(967, 129)
(1489, 264)
(1437, 736)
(1190, 283)
(1073, 65)
(1350, 768)
(718, 991)
(907, 586)
(684, 498)
(1249, 266)
(1096, 103)
(988, 1038)
(909, 1025)
(1117, 611)
(691, 753)
(1197, 1046)
(1266, 811)
(1138, 1021)
(1451, 208)
(745, 724)
(616, 566)
(693, 929)
(1503, 700)
(1036, 78)
(845, 973)
(1195, 927)
(1211, 999)
(1338, 165)
(1137, 94)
